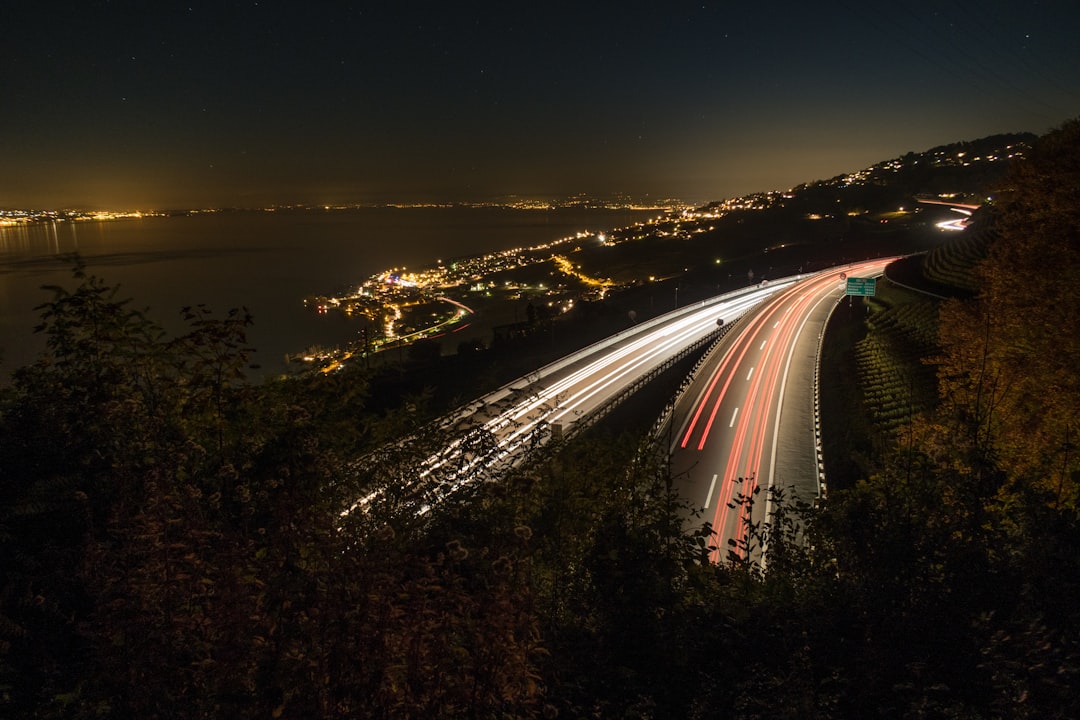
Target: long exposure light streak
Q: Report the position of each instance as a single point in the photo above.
(750, 378)
(521, 415)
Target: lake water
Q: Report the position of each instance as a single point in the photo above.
(265, 261)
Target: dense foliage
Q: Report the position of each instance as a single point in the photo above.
(1012, 357)
(172, 543)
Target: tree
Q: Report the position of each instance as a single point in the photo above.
(1010, 357)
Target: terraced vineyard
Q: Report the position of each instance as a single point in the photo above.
(953, 263)
(895, 381)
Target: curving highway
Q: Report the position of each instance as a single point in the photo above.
(746, 422)
(498, 430)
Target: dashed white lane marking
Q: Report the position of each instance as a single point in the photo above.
(708, 498)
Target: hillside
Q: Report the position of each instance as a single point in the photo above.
(716, 248)
(172, 541)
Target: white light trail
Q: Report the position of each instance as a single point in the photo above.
(563, 393)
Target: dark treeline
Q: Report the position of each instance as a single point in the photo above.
(172, 543)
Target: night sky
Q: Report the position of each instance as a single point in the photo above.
(192, 104)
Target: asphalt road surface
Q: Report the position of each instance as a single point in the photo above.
(747, 421)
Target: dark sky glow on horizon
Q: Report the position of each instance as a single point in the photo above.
(188, 104)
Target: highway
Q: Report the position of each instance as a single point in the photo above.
(746, 421)
(495, 432)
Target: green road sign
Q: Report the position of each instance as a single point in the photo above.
(861, 286)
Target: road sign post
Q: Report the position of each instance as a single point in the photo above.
(861, 286)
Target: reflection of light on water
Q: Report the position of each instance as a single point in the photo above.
(50, 238)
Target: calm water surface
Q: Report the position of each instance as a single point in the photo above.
(267, 262)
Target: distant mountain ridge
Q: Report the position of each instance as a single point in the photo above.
(963, 170)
